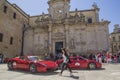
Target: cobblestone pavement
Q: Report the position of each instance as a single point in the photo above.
(109, 72)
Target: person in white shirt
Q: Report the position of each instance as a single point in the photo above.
(66, 62)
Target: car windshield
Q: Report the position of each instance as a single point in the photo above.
(33, 58)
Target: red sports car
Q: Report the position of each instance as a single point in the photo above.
(79, 62)
(31, 63)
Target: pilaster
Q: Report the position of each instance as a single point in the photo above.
(66, 36)
(49, 37)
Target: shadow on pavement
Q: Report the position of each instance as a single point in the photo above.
(46, 73)
(74, 77)
(54, 72)
(89, 69)
(40, 73)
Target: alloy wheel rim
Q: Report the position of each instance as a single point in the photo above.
(92, 66)
(32, 68)
(10, 65)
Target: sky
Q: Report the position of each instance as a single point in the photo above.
(109, 9)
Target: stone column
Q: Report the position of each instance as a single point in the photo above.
(49, 37)
(66, 36)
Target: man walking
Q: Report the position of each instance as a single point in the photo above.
(66, 62)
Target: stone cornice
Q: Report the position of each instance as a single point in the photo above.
(69, 21)
(115, 33)
(106, 23)
(18, 9)
(54, 1)
(87, 10)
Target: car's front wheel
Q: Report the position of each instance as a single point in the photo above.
(33, 68)
(10, 65)
(91, 66)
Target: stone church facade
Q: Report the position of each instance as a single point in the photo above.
(80, 31)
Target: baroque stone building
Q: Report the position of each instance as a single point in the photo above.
(79, 30)
(12, 20)
(115, 39)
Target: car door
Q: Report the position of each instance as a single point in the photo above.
(23, 63)
(16, 63)
(74, 62)
(82, 62)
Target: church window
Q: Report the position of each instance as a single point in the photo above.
(5, 9)
(11, 40)
(14, 15)
(113, 38)
(1, 37)
(89, 20)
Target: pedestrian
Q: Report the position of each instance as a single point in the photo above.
(115, 58)
(108, 57)
(1, 57)
(65, 63)
(119, 58)
(91, 56)
(100, 58)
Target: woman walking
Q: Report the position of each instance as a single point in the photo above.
(65, 63)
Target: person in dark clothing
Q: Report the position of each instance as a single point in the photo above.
(1, 57)
(91, 56)
(65, 63)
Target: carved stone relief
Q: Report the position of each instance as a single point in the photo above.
(72, 44)
(58, 35)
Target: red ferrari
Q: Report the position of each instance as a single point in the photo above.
(79, 62)
(31, 63)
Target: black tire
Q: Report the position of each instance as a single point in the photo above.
(33, 68)
(92, 66)
(10, 65)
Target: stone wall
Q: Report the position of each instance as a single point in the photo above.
(11, 27)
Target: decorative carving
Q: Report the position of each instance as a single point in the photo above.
(81, 43)
(58, 34)
(43, 20)
(82, 17)
(72, 44)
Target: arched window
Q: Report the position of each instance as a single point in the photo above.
(14, 15)
(1, 37)
(113, 38)
(89, 20)
(5, 9)
(11, 40)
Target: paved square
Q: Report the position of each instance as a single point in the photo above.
(109, 72)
